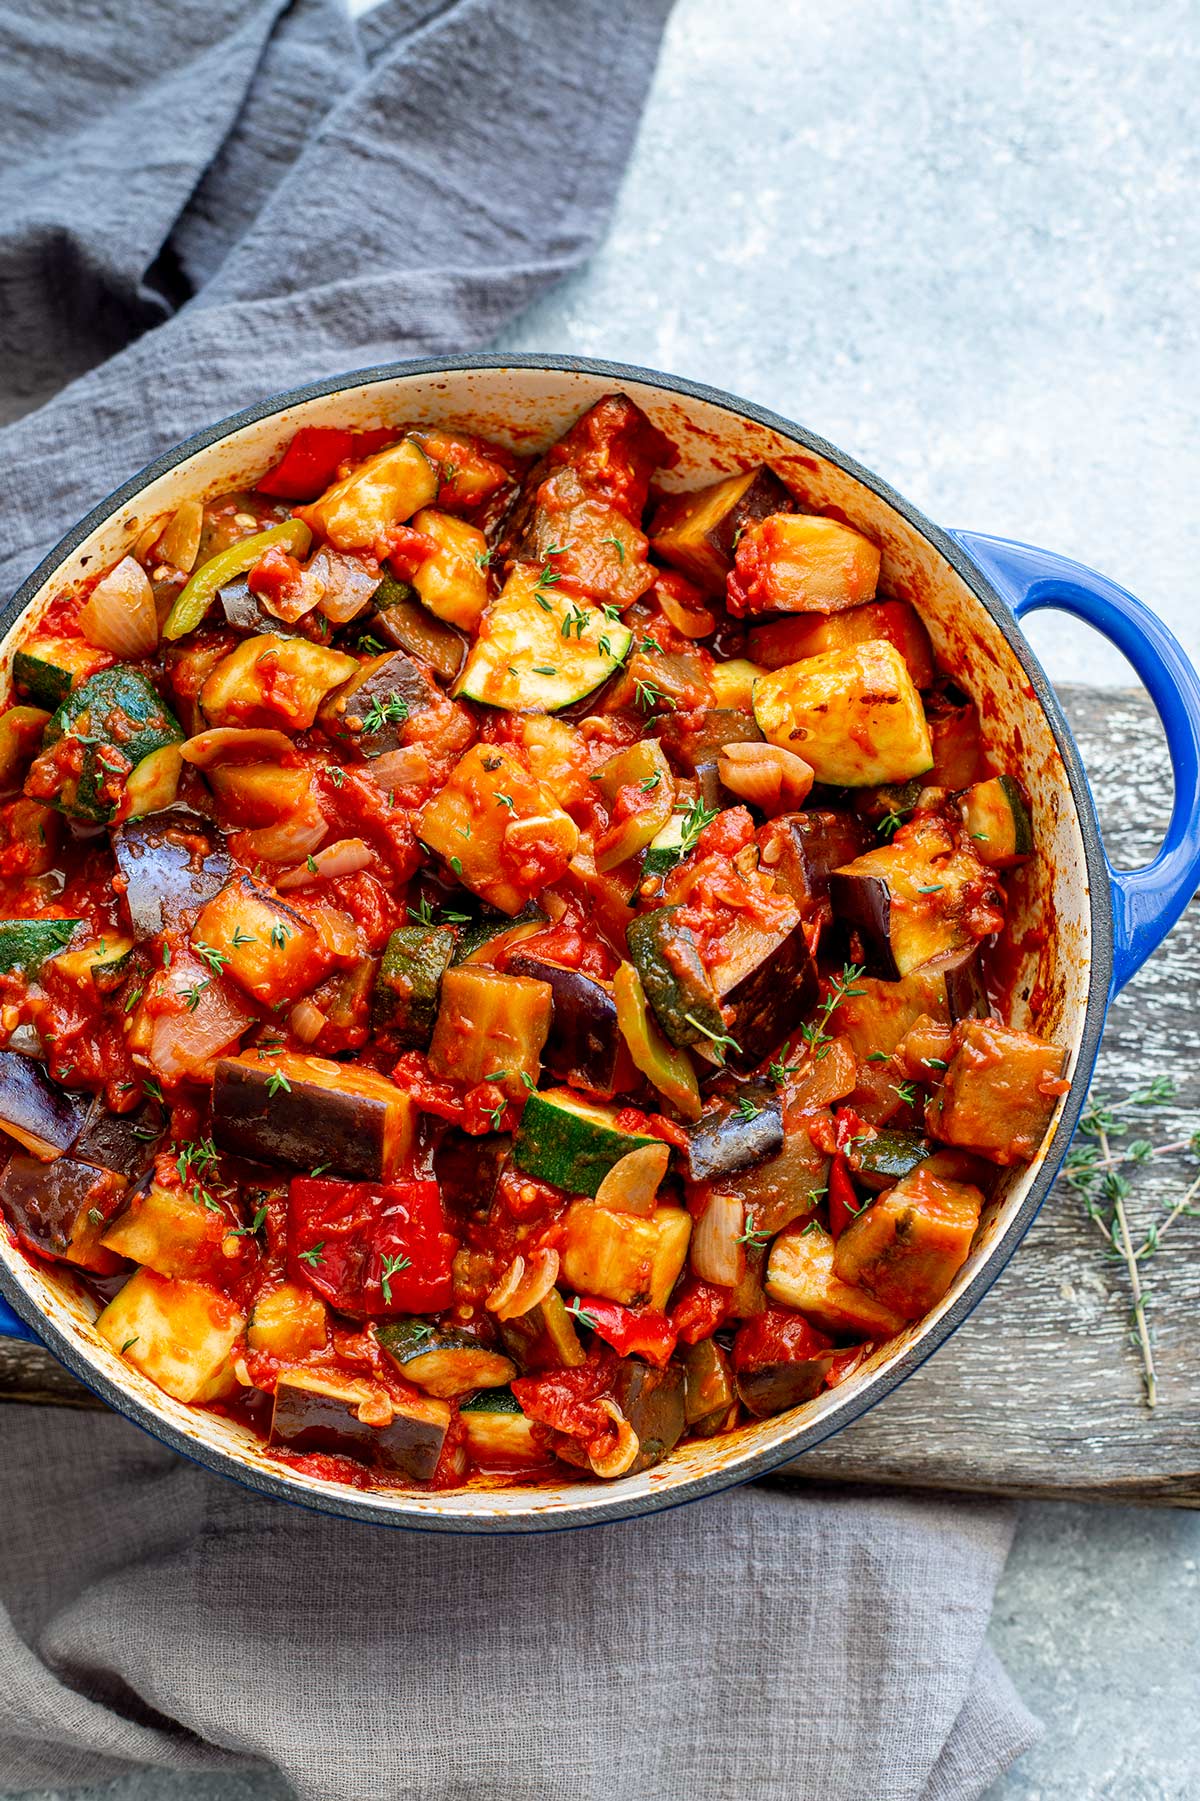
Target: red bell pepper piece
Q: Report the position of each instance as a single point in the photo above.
(701, 1308)
(777, 1336)
(631, 1331)
(309, 464)
(844, 1204)
(371, 1248)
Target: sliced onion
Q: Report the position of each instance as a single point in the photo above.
(180, 543)
(307, 1021)
(715, 1254)
(625, 1448)
(770, 778)
(407, 767)
(120, 614)
(339, 933)
(348, 584)
(525, 1283)
(295, 837)
(631, 1185)
(690, 622)
(340, 858)
(187, 1044)
(236, 744)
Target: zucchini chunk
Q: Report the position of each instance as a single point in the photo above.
(997, 818)
(666, 848)
(742, 1132)
(59, 1209)
(853, 715)
(699, 532)
(800, 1274)
(675, 981)
(801, 851)
(572, 1143)
(492, 935)
(708, 1391)
(491, 1027)
(101, 964)
(499, 1436)
(373, 708)
(172, 862)
(324, 1411)
(359, 512)
(442, 1361)
(28, 943)
(503, 834)
(179, 1334)
(999, 1093)
(881, 1157)
(21, 733)
(639, 790)
(36, 1111)
(777, 642)
(305, 1111)
(652, 1400)
(545, 1337)
(779, 1360)
(584, 1047)
(628, 1257)
(405, 998)
(915, 899)
(168, 1231)
(668, 1069)
(539, 650)
(453, 582)
(269, 949)
(47, 668)
(288, 1322)
(97, 743)
(273, 681)
(801, 563)
(908, 1245)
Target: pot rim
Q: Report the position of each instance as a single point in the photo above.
(388, 1510)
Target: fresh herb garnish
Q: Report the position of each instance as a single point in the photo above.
(584, 1318)
(817, 1037)
(392, 1267)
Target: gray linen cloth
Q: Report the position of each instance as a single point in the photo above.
(200, 205)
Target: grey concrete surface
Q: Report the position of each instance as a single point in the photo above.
(960, 240)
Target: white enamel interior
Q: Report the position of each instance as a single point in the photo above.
(527, 408)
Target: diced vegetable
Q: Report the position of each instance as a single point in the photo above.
(674, 979)
(1000, 1091)
(880, 1157)
(708, 1392)
(501, 832)
(21, 730)
(954, 734)
(97, 742)
(28, 943)
(185, 1017)
(272, 951)
(801, 563)
(169, 1230)
(47, 669)
(652, 1402)
(359, 512)
(442, 1361)
(588, 545)
(403, 621)
(374, 707)
(171, 862)
(273, 681)
(405, 1000)
(739, 1134)
(321, 1411)
(624, 1256)
(781, 1188)
(306, 1111)
(453, 582)
(120, 614)
(669, 1070)
(585, 1046)
(180, 1334)
(639, 788)
(499, 1435)
(538, 650)
(288, 1322)
(572, 1143)
(800, 1274)
(801, 851)
(122, 1142)
(765, 987)
(699, 532)
(908, 1245)
(371, 1249)
(59, 1209)
(779, 1360)
(777, 642)
(197, 596)
(919, 897)
(854, 715)
(545, 1337)
(491, 936)
(997, 819)
(34, 1110)
(490, 1027)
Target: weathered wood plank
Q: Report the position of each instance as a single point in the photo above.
(1040, 1392)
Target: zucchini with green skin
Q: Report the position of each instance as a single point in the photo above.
(98, 741)
(669, 1069)
(442, 1361)
(708, 1391)
(46, 669)
(997, 818)
(103, 964)
(400, 619)
(21, 730)
(545, 1337)
(882, 1157)
(641, 766)
(666, 848)
(28, 943)
(405, 1000)
(571, 1142)
(481, 940)
(675, 981)
(539, 650)
(499, 1435)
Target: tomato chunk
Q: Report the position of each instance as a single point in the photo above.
(371, 1248)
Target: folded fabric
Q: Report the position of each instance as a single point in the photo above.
(199, 206)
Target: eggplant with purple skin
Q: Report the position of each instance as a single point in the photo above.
(34, 1110)
(766, 988)
(122, 1142)
(60, 1209)
(746, 1129)
(801, 850)
(691, 738)
(920, 897)
(173, 862)
(585, 1043)
(246, 614)
(698, 532)
(306, 1111)
(372, 709)
(778, 1386)
(652, 1400)
(323, 1412)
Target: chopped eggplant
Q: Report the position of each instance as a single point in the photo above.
(304, 1111)
(372, 709)
(917, 898)
(626, 1257)
(801, 851)
(246, 614)
(60, 1209)
(614, 450)
(400, 619)
(698, 532)
(585, 1043)
(491, 934)
(36, 1111)
(854, 715)
(592, 547)
(784, 1187)
(180, 1334)
(954, 735)
(172, 863)
(323, 1411)
(442, 1361)
(742, 1132)
(652, 1400)
(780, 1360)
(765, 990)
(122, 1142)
(908, 1245)
(693, 739)
(405, 999)
(800, 1274)
(491, 1028)
(709, 1392)
(360, 511)
(999, 1093)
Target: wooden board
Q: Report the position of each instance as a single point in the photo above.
(1040, 1392)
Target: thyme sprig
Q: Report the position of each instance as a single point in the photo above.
(816, 1036)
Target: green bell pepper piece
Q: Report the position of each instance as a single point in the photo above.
(195, 599)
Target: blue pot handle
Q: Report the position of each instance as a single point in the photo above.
(11, 1326)
(1146, 902)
